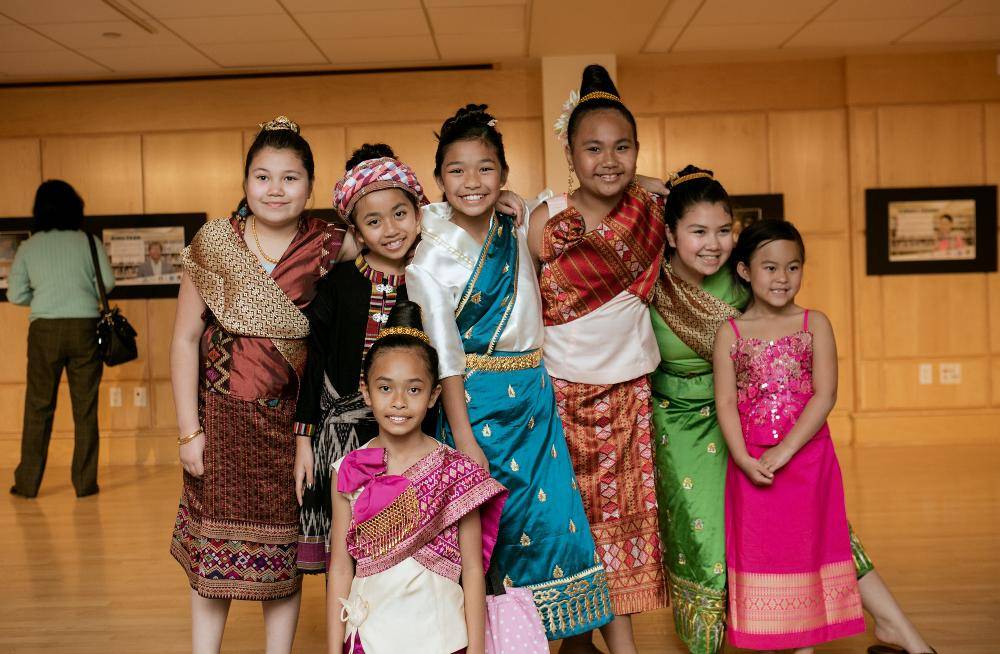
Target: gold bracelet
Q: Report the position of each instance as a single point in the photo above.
(181, 440)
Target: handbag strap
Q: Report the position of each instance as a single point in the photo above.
(97, 272)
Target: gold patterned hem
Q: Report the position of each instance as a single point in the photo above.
(488, 363)
(572, 605)
(699, 615)
(234, 589)
(255, 533)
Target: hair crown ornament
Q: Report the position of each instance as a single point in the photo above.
(404, 331)
(279, 123)
(675, 179)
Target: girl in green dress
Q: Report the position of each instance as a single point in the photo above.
(695, 294)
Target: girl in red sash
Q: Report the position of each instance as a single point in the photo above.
(600, 249)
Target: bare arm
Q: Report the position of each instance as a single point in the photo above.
(470, 542)
(536, 230)
(453, 401)
(824, 396)
(350, 248)
(727, 411)
(188, 328)
(511, 204)
(341, 568)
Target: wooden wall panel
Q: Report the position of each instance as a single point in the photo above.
(925, 77)
(328, 145)
(808, 163)
(863, 129)
(734, 146)
(20, 175)
(826, 285)
(193, 171)
(934, 315)
(522, 144)
(992, 155)
(159, 332)
(413, 143)
(930, 145)
(902, 391)
(650, 130)
(105, 170)
(15, 342)
(164, 416)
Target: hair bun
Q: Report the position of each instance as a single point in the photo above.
(405, 314)
(471, 115)
(369, 151)
(597, 79)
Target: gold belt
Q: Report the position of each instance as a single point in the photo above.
(491, 363)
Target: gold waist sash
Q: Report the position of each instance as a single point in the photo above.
(493, 363)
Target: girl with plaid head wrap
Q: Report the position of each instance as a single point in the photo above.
(381, 198)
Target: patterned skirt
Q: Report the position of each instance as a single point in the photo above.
(343, 418)
(608, 432)
(543, 543)
(237, 526)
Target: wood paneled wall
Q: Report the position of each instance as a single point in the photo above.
(820, 132)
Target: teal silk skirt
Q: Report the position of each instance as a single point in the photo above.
(544, 542)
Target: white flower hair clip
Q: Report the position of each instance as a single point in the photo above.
(562, 123)
(492, 122)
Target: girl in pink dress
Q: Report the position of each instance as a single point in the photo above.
(792, 583)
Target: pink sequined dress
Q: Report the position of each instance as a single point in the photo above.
(791, 576)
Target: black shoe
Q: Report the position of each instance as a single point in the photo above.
(93, 491)
(14, 491)
(889, 649)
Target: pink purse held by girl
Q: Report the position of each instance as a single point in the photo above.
(513, 625)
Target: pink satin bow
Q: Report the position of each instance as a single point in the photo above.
(366, 467)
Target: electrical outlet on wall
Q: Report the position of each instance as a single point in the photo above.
(950, 373)
(139, 396)
(926, 374)
(115, 396)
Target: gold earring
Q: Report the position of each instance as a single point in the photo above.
(569, 181)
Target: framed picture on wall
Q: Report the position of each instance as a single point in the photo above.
(914, 231)
(144, 250)
(748, 209)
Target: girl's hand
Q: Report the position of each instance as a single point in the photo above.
(304, 465)
(775, 458)
(511, 204)
(653, 185)
(192, 456)
(758, 474)
(474, 452)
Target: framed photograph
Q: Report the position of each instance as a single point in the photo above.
(144, 250)
(13, 232)
(748, 209)
(931, 230)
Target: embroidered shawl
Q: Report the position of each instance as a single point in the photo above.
(692, 313)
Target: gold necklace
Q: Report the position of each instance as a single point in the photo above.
(253, 229)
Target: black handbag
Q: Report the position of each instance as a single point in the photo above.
(115, 336)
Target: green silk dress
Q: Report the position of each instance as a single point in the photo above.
(691, 459)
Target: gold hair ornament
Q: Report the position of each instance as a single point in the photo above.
(404, 331)
(279, 123)
(600, 95)
(676, 180)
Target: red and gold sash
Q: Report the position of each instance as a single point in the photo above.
(584, 270)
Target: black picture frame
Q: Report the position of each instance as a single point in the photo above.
(96, 225)
(931, 230)
(748, 209)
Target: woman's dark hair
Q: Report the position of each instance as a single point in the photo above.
(404, 314)
(596, 79)
(690, 192)
(279, 139)
(369, 151)
(470, 123)
(759, 234)
(57, 206)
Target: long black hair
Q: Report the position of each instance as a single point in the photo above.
(759, 234)
(404, 314)
(690, 192)
(596, 79)
(57, 206)
(470, 123)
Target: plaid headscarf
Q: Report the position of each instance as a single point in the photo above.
(375, 175)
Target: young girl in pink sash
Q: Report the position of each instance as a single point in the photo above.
(792, 582)
(414, 521)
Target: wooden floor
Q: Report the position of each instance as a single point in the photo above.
(94, 575)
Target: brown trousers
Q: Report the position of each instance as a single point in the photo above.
(54, 344)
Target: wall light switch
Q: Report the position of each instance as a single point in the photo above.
(950, 373)
(115, 396)
(139, 396)
(926, 374)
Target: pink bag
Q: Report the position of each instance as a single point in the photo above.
(513, 625)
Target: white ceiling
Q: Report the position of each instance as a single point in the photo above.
(52, 40)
